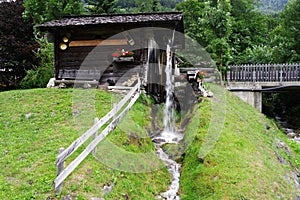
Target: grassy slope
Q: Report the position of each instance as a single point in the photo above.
(242, 165)
(34, 124)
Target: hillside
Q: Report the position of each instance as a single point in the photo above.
(34, 124)
(250, 159)
(272, 6)
(243, 164)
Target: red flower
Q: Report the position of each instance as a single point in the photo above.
(201, 74)
(122, 53)
(116, 55)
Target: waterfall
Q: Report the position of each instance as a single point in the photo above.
(152, 46)
(169, 134)
(169, 121)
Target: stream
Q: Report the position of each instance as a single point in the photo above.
(173, 167)
(169, 134)
(290, 133)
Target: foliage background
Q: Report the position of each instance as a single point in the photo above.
(232, 31)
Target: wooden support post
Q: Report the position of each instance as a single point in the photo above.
(95, 136)
(60, 168)
(115, 108)
(280, 74)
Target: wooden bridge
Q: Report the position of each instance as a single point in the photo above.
(249, 81)
(264, 73)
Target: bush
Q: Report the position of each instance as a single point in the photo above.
(40, 75)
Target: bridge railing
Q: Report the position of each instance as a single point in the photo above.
(264, 73)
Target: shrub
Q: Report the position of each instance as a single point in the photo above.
(40, 75)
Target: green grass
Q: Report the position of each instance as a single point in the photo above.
(242, 164)
(34, 124)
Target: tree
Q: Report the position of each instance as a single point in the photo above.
(17, 43)
(45, 10)
(147, 6)
(210, 24)
(290, 31)
(100, 6)
(250, 28)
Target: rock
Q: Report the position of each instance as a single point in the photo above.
(281, 159)
(5, 152)
(75, 112)
(284, 146)
(62, 85)
(159, 140)
(210, 94)
(68, 197)
(103, 87)
(291, 135)
(51, 83)
(28, 115)
(267, 126)
(201, 160)
(204, 94)
(297, 139)
(87, 86)
(107, 189)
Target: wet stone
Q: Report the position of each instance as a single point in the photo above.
(159, 140)
(291, 135)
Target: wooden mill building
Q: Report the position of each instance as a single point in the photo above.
(85, 46)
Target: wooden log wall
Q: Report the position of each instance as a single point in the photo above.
(264, 73)
(84, 62)
(88, 51)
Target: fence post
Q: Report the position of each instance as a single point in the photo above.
(95, 136)
(115, 108)
(60, 168)
(280, 73)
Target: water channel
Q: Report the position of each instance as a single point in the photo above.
(169, 134)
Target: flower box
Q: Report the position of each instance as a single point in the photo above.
(123, 56)
(123, 59)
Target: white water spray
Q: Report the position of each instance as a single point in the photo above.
(169, 122)
(152, 46)
(169, 134)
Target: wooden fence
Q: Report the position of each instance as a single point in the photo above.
(264, 73)
(63, 173)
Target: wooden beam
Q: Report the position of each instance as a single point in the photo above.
(85, 43)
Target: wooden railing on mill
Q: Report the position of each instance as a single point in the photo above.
(264, 73)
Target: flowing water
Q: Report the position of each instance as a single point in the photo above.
(169, 134)
(291, 133)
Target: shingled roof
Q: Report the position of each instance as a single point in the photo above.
(86, 20)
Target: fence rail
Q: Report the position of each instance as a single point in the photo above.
(63, 173)
(264, 73)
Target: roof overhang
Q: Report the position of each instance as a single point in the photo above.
(170, 20)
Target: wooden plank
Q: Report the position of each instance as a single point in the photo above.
(84, 43)
(70, 168)
(228, 74)
(60, 169)
(96, 49)
(119, 88)
(94, 151)
(79, 141)
(80, 74)
(77, 82)
(86, 62)
(268, 73)
(89, 57)
(298, 72)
